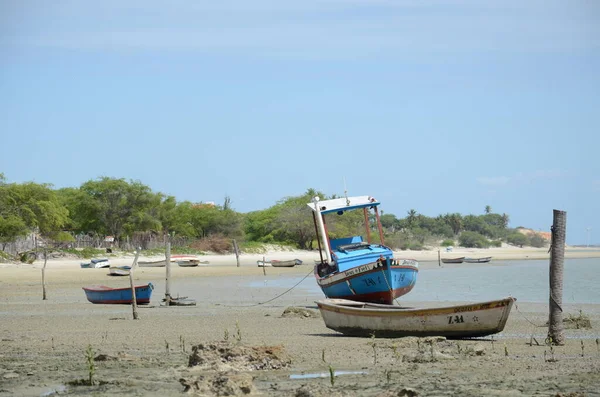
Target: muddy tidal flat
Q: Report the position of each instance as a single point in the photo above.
(239, 339)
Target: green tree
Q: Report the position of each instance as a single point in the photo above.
(36, 205)
(411, 218)
(488, 209)
(455, 222)
(294, 221)
(473, 240)
(120, 207)
(518, 239)
(11, 228)
(505, 220)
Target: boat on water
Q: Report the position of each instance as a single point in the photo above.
(288, 263)
(453, 260)
(108, 295)
(351, 268)
(478, 260)
(390, 321)
(119, 270)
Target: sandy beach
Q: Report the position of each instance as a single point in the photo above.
(244, 344)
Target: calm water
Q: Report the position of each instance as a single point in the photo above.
(526, 280)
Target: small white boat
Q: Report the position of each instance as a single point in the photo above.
(263, 263)
(188, 263)
(158, 263)
(95, 264)
(389, 321)
(119, 270)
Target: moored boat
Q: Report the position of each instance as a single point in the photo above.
(188, 263)
(108, 295)
(288, 263)
(453, 260)
(158, 263)
(99, 263)
(478, 260)
(389, 321)
(355, 269)
(119, 270)
(263, 263)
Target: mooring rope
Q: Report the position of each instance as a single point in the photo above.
(525, 317)
(389, 286)
(272, 299)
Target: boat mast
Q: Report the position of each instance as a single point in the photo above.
(366, 213)
(321, 226)
(379, 226)
(317, 234)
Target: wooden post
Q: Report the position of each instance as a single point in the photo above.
(264, 265)
(439, 258)
(44, 275)
(557, 259)
(237, 252)
(168, 265)
(133, 298)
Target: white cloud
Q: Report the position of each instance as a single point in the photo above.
(312, 28)
(521, 178)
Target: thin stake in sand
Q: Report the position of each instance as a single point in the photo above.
(168, 281)
(133, 298)
(44, 275)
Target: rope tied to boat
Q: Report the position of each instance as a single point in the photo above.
(381, 259)
(272, 299)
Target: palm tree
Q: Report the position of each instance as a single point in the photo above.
(505, 219)
(412, 215)
(488, 209)
(456, 223)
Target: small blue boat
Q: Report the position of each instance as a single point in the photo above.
(354, 269)
(104, 294)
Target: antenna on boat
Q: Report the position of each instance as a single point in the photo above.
(346, 193)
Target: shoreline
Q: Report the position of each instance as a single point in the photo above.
(425, 257)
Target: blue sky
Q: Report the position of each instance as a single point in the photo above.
(440, 106)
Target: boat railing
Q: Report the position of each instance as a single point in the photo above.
(353, 247)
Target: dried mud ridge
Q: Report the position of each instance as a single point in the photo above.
(230, 360)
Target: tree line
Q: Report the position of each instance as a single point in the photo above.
(119, 208)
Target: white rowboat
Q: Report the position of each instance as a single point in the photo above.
(389, 321)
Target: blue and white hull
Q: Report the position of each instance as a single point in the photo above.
(381, 281)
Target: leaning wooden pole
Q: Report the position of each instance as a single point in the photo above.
(236, 249)
(557, 260)
(133, 298)
(44, 275)
(168, 281)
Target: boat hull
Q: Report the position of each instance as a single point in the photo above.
(453, 260)
(160, 263)
(377, 282)
(119, 270)
(478, 260)
(461, 321)
(288, 263)
(107, 295)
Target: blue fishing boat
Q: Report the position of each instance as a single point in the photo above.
(104, 294)
(354, 269)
